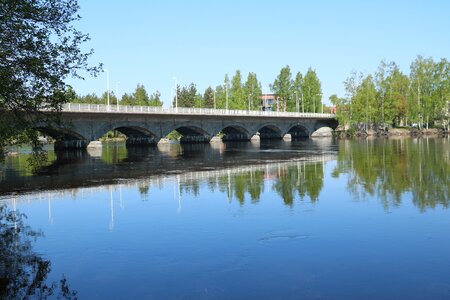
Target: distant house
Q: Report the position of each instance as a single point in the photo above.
(270, 102)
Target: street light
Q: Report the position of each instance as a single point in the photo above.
(117, 94)
(296, 101)
(249, 97)
(176, 91)
(107, 89)
(214, 99)
(226, 96)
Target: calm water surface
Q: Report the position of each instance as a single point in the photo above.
(308, 219)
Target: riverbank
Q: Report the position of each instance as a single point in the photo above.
(394, 132)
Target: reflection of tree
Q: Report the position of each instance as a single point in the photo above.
(306, 179)
(390, 168)
(247, 182)
(23, 273)
(30, 163)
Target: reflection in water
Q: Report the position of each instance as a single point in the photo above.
(388, 168)
(23, 272)
(385, 168)
(269, 220)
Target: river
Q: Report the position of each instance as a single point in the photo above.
(301, 219)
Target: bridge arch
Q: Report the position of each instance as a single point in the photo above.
(137, 134)
(235, 132)
(64, 138)
(299, 131)
(270, 131)
(193, 134)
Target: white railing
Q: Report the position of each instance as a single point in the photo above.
(128, 109)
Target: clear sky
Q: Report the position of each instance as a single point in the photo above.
(150, 42)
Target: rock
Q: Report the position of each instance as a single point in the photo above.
(430, 131)
(399, 131)
(164, 141)
(216, 139)
(255, 138)
(323, 132)
(287, 137)
(94, 144)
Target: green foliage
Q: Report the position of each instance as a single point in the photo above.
(297, 88)
(187, 96)
(252, 91)
(342, 109)
(394, 99)
(364, 106)
(312, 92)
(208, 98)
(155, 99)
(174, 135)
(282, 86)
(141, 96)
(40, 48)
(237, 96)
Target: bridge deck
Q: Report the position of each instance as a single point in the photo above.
(126, 109)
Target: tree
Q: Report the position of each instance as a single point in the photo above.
(39, 49)
(312, 92)
(342, 110)
(421, 100)
(282, 86)
(104, 98)
(155, 99)
(392, 87)
(208, 98)
(237, 97)
(252, 91)
(127, 99)
(141, 96)
(187, 96)
(364, 104)
(297, 88)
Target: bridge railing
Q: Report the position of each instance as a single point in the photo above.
(129, 109)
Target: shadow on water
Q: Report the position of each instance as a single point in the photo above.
(23, 272)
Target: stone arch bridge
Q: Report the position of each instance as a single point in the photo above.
(84, 123)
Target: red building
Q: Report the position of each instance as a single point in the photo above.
(270, 102)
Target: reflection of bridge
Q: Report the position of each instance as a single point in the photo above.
(271, 171)
(83, 123)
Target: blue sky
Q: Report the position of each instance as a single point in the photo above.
(150, 42)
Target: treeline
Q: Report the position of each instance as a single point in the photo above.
(389, 97)
(301, 93)
(138, 97)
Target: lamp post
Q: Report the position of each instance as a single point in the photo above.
(117, 95)
(226, 96)
(296, 101)
(107, 89)
(214, 99)
(176, 92)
